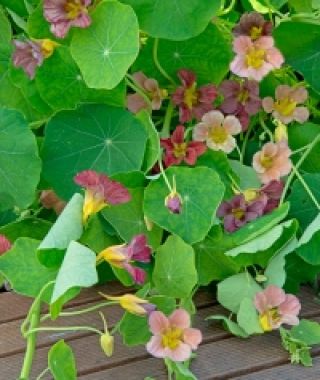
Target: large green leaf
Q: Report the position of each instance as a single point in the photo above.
(175, 274)
(18, 157)
(29, 227)
(98, 137)
(61, 362)
(309, 243)
(201, 191)
(174, 19)
(107, 48)
(5, 27)
(248, 177)
(307, 331)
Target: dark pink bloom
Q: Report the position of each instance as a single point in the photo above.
(28, 56)
(173, 202)
(253, 25)
(273, 191)
(63, 14)
(193, 102)
(5, 244)
(178, 150)
(237, 212)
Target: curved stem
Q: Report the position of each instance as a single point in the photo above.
(306, 187)
(266, 129)
(138, 90)
(228, 9)
(245, 141)
(157, 63)
(43, 373)
(165, 176)
(66, 328)
(165, 132)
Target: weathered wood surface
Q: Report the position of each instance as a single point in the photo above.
(220, 356)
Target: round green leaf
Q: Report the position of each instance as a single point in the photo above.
(61, 362)
(201, 191)
(106, 49)
(98, 137)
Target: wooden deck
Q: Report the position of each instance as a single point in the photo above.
(220, 356)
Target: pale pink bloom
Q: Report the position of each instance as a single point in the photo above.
(5, 244)
(276, 308)
(173, 338)
(28, 55)
(63, 14)
(284, 107)
(255, 59)
(217, 131)
(135, 102)
(272, 162)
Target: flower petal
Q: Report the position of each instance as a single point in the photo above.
(158, 322)
(180, 318)
(192, 337)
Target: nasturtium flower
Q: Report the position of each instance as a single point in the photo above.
(275, 308)
(217, 131)
(193, 101)
(273, 161)
(132, 304)
(237, 212)
(122, 256)
(173, 338)
(50, 200)
(5, 244)
(100, 192)
(178, 150)
(285, 106)
(30, 54)
(136, 102)
(253, 25)
(255, 59)
(64, 14)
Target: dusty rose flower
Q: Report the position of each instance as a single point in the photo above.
(253, 25)
(63, 14)
(5, 244)
(50, 200)
(217, 131)
(193, 102)
(255, 59)
(173, 338)
(132, 304)
(273, 161)
(178, 150)
(273, 191)
(122, 256)
(275, 308)
(285, 107)
(100, 192)
(237, 212)
(135, 102)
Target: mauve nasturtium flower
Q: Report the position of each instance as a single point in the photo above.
(273, 161)
(178, 150)
(253, 25)
(64, 14)
(50, 200)
(237, 212)
(193, 102)
(217, 131)
(30, 54)
(173, 338)
(5, 244)
(136, 102)
(285, 106)
(100, 192)
(273, 191)
(173, 202)
(255, 59)
(275, 308)
(132, 304)
(122, 256)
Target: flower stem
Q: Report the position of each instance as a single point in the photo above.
(228, 9)
(66, 328)
(165, 176)
(165, 132)
(138, 90)
(306, 187)
(266, 129)
(43, 373)
(157, 63)
(245, 141)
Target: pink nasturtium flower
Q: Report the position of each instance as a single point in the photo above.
(136, 102)
(5, 244)
(285, 107)
(273, 161)
(178, 150)
(253, 25)
(122, 256)
(100, 192)
(255, 59)
(63, 14)
(133, 304)
(193, 102)
(217, 131)
(173, 338)
(276, 308)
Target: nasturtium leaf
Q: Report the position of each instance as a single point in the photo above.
(128, 219)
(247, 317)
(307, 331)
(23, 270)
(67, 227)
(5, 27)
(304, 6)
(229, 325)
(33, 228)
(201, 191)
(78, 269)
(7, 216)
(61, 362)
(97, 137)
(174, 20)
(302, 53)
(175, 274)
(248, 177)
(19, 155)
(234, 289)
(132, 179)
(107, 48)
(309, 244)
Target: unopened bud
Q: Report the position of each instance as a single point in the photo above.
(281, 132)
(107, 343)
(173, 202)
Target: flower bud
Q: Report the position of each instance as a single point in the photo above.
(281, 132)
(173, 202)
(107, 343)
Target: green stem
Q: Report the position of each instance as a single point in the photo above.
(139, 91)
(165, 176)
(266, 129)
(165, 132)
(157, 63)
(66, 328)
(306, 187)
(245, 141)
(239, 153)
(228, 9)
(43, 373)
(300, 150)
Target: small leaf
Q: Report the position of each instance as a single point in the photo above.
(247, 317)
(231, 326)
(61, 362)
(307, 332)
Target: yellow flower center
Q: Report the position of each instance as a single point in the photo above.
(191, 96)
(250, 195)
(47, 47)
(243, 96)
(93, 203)
(238, 213)
(268, 319)
(266, 161)
(113, 256)
(255, 32)
(179, 150)
(255, 57)
(172, 337)
(218, 134)
(285, 106)
(74, 8)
